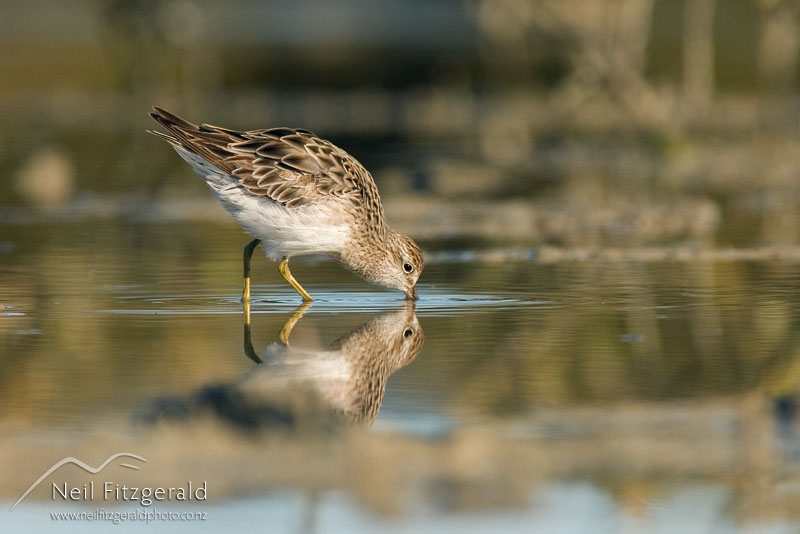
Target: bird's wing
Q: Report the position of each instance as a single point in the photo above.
(292, 167)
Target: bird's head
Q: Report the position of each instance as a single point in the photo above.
(396, 262)
(404, 263)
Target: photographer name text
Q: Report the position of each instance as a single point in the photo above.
(116, 492)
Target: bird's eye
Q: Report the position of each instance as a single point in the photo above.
(407, 267)
(408, 333)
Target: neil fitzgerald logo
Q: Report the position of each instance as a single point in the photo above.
(111, 491)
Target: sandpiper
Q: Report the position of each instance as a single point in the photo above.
(297, 194)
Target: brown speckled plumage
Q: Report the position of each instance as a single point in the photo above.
(298, 171)
(377, 349)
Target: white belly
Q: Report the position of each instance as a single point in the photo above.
(283, 231)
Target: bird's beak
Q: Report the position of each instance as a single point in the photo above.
(411, 294)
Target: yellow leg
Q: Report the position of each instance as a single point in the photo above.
(246, 257)
(297, 314)
(287, 275)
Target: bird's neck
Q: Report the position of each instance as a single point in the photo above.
(365, 252)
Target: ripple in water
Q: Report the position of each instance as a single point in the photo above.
(279, 299)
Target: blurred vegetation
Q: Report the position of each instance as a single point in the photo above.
(562, 104)
(579, 124)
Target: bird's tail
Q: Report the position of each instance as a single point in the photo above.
(209, 142)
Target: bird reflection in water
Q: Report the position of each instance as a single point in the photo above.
(296, 388)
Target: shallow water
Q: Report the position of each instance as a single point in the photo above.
(559, 395)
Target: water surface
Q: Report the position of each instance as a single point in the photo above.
(545, 394)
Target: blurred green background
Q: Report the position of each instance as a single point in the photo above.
(565, 122)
